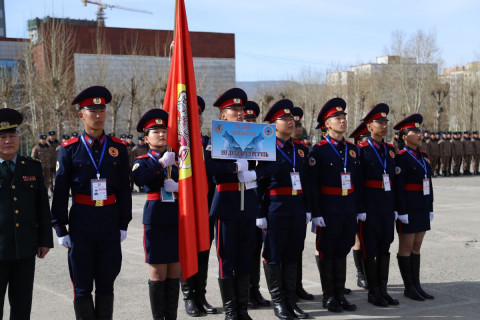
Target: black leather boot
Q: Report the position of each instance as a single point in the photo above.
(242, 285)
(340, 274)
(104, 307)
(172, 288)
(290, 281)
(374, 295)
(415, 262)
(327, 278)
(189, 296)
(406, 272)
(255, 298)
(229, 299)
(156, 290)
(358, 259)
(273, 275)
(84, 309)
(301, 293)
(383, 267)
(320, 270)
(201, 290)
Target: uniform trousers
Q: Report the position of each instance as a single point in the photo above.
(336, 239)
(376, 234)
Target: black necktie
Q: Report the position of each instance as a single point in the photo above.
(6, 171)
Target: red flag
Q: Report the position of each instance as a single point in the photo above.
(181, 104)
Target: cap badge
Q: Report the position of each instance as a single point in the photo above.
(158, 121)
(339, 109)
(249, 111)
(286, 110)
(236, 100)
(5, 123)
(383, 114)
(417, 125)
(296, 118)
(97, 100)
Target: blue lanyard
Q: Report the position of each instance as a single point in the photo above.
(286, 157)
(384, 163)
(338, 154)
(424, 165)
(91, 157)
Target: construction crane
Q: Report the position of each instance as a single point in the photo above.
(102, 6)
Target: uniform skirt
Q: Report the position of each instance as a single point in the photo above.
(160, 243)
(418, 221)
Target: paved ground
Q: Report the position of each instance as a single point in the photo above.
(450, 258)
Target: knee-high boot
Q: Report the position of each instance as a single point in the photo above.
(301, 293)
(383, 267)
(171, 298)
(405, 267)
(156, 291)
(273, 275)
(374, 295)
(229, 299)
(242, 285)
(84, 309)
(415, 261)
(201, 290)
(326, 270)
(189, 296)
(290, 282)
(104, 307)
(340, 274)
(255, 298)
(358, 259)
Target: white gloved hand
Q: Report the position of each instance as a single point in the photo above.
(361, 216)
(242, 165)
(65, 241)
(123, 235)
(247, 176)
(309, 217)
(167, 159)
(262, 223)
(318, 221)
(396, 215)
(170, 186)
(403, 218)
(431, 216)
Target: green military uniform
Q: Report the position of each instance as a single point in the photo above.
(24, 220)
(468, 153)
(44, 153)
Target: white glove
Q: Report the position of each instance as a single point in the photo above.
(123, 235)
(170, 186)
(65, 241)
(431, 216)
(242, 165)
(309, 217)
(167, 159)
(361, 216)
(247, 176)
(396, 215)
(318, 221)
(262, 223)
(403, 218)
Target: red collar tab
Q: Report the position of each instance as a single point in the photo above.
(156, 154)
(100, 101)
(89, 140)
(282, 143)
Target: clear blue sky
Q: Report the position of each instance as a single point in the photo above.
(276, 39)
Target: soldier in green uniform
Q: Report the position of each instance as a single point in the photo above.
(42, 152)
(25, 228)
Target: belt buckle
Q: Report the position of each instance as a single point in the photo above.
(294, 192)
(98, 203)
(239, 186)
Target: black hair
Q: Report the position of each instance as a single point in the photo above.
(401, 142)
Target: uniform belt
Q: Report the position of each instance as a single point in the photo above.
(334, 191)
(156, 195)
(232, 186)
(375, 184)
(413, 187)
(86, 199)
(284, 191)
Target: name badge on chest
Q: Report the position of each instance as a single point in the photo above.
(99, 189)
(296, 184)
(426, 187)
(386, 182)
(346, 183)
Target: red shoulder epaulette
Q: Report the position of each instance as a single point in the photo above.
(321, 143)
(119, 141)
(363, 144)
(424, 152)
(390, 145)
(401, 151)
(142, 156)
(69, 142)
(299, 142)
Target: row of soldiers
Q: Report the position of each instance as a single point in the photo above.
(450, 152)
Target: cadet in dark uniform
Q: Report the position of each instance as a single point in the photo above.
(377, 230)
(414, 203)
(297, 113)
(53, 144)
(457, 153)
(42, 152)
(25, 229)
(234, 228)
(476, 157)
(95, 168)
(195, 287)
(160, 214)
(255, 298)
(283, 214)
(336, 183)
(359, 135)
(468, 153)
(434, 153)
(445, 147)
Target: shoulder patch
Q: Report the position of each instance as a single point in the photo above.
(135, 166)
(398, 170)
(322, 143)
(312, 162)
(117, 140)
(401, 152)
(142, 156)
(363, 144)
(390, 145)
(70, 141)
(299, 142)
